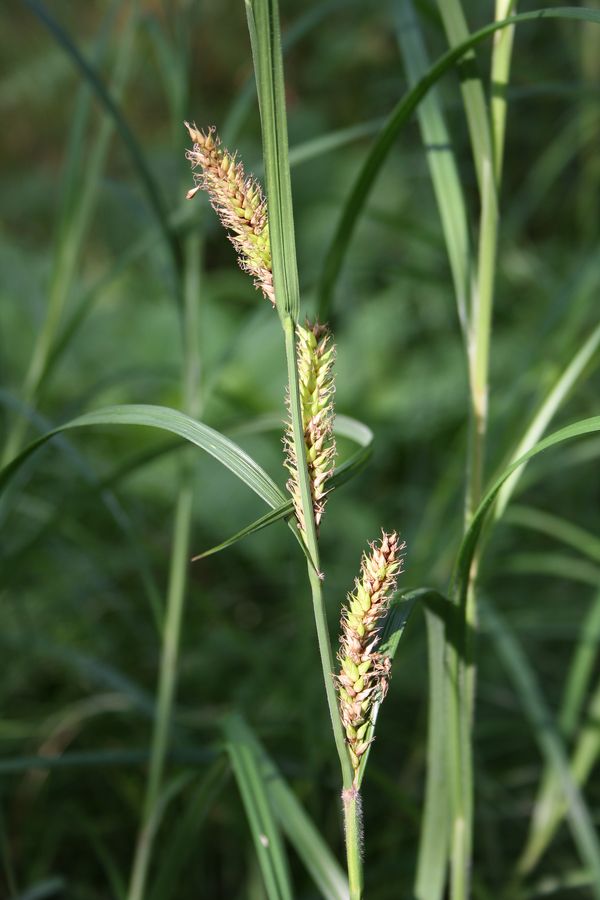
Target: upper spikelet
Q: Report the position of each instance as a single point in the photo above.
(315, 355)
(364, 673)
(238, 201)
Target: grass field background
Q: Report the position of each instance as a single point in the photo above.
(99, 256)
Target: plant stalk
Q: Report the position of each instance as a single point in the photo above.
(325, 651)
(166, 688)
(353, 830)
(487, 139)
(175, 605)
(351, 807)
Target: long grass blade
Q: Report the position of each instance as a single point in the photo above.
(501, 60)
(440, 158)
(178, 846)
(107, 497)
(79, 192)
(433, 847)
(265, 35)
(217, 445)
(130, 142)
(473, 535)
(301, 832)
(549, 807)
(583, 361)
(399, 116)
(547, 737)
(148, 832)
(555, 527)
(101, 759)
(327, 143)
(308, 21)
(459, 658)
(474, 101)
(556, 565)
(581, 670)
(552, 805)
(261, 819)
(344, 426)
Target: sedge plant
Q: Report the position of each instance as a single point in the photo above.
(356, 675)
(264, 239)
(356, 690)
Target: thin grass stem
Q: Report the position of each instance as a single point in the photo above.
(500, 71)
(352, 829)
(353, 826)
(166, 689)
(325, 651)
(175, 605)
(461, 652)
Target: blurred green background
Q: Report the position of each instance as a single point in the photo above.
(87, 525)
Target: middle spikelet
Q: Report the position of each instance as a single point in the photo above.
(364, 675)
(316, 355)
(238, 201)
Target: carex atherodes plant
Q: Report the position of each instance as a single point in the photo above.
(264, 239)
(309, 457)
(364, 671)
(147, 702)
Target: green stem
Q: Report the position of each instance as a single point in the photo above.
(353, 827)
(175, 605)
(166, 689)
(433, 846)
(479, 337)
(460, 765)
(457, 31)
(500, 70)
(325, 651)
(351, 798)
(350, 795)
(486, 141)
(479, 350)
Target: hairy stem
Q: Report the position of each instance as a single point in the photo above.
(353, 826)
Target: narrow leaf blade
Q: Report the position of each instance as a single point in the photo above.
(265, 832)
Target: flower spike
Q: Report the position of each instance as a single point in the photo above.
(316, 355)
(364, 673)
(238, 201)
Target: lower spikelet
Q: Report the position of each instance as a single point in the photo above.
(364, 673)
(238, 201)
(316, 356)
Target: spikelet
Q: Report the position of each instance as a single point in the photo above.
(238, 201)
(316, 355)
(364, 673)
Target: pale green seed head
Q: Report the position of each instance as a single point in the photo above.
(362, 680)
(315, 355)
